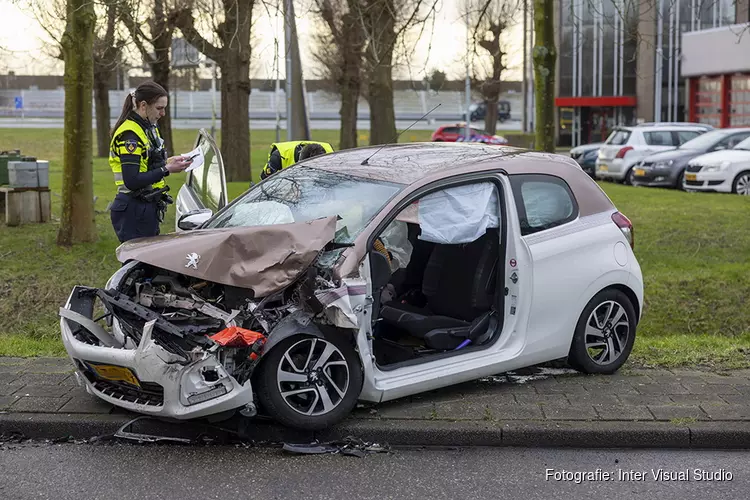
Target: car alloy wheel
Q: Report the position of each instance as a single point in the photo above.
(604, 334)
(309, 382)
(313, 377)
(630, 177)
(607, 331)
(742, 184)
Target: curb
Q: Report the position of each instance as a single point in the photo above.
(566, 434)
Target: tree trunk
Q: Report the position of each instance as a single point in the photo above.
(380, 99)
(234, 60)
(545, 57)
(77, 221)
(235, 91)
(348, 134)
(380, 22)
(101, 95)
(490, 116)
(160, 73)
(161, 32)
(235, 125)
(351, 80)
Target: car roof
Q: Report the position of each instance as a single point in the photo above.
(419, 163)
(670, 127)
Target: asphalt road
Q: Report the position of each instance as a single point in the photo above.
(115, 470)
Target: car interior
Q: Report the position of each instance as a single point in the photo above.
(435, 276)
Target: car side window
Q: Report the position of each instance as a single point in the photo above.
(659, 138)
(542, 201)
(685, 135)
(735, 139)
(450, 130)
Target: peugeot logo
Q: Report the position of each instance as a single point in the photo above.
(193, 259)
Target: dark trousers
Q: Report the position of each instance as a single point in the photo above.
(133, 217)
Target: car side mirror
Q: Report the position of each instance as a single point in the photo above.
(720, 147)
(194, 219)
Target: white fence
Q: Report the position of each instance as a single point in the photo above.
(409, 104)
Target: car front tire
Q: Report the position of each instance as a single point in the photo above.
(310, 383)
(604, 334)
(741, 184)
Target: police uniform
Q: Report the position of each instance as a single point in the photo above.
(137, 158)
(286, 154)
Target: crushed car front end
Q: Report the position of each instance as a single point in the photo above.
(148, 364)
(180, 329)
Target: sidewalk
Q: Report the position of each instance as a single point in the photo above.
(534, 407)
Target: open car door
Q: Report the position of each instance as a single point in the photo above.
(205, 189)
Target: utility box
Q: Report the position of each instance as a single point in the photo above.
(26, 173)
(5, 157)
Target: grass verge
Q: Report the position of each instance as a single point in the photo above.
(693, 248)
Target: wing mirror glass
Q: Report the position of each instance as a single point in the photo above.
(194, 219)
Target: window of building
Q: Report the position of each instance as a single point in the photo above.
(707, 101)
(739, 101)
(543, 202)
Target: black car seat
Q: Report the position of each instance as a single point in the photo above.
(459, 285)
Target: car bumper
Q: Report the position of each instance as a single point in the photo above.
(719, 182)
(611, 169)
(158, 384)
(654, 178)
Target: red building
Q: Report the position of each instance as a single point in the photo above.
(716, 63)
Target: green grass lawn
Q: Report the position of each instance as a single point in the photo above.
(694, 250)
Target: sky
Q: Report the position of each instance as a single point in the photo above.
(23, 44)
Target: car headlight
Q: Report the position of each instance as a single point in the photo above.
(663, 164)
(717, 168)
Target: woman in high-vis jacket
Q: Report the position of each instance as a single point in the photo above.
(139, 163)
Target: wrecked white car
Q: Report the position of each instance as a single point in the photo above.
(360, 275)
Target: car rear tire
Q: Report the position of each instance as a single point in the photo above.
(308, 382)
(604, 334)
(630, 177)
(741, 184)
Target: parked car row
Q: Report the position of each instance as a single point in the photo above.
(687, 156)
(457, 133)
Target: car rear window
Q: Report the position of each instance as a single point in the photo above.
(618, 137)
(543, 201)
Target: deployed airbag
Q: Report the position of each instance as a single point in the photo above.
(458, 214)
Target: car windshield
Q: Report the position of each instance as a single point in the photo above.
(745, 145)
(704, 141)
(301, 194)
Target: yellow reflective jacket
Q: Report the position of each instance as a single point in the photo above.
(118, 147)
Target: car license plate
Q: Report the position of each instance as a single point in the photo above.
(640, 172)
(603, 168)
(115, 373)
(691, 177)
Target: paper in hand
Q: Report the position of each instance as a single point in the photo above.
(197, 161)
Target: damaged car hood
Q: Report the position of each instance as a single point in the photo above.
(262, 258)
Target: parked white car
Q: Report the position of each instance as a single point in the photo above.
(367, 274)
(725, 171)
(627, 146)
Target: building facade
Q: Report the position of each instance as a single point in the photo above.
(716, 63)
(620, 61)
